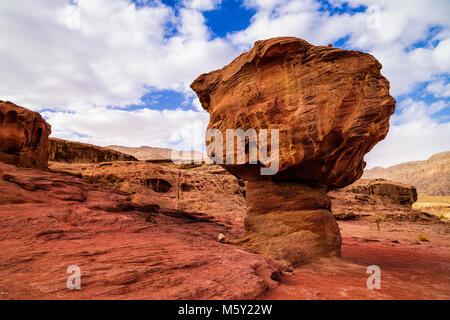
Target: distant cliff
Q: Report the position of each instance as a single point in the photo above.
(77, 152)
(430, 177)
(153, 153)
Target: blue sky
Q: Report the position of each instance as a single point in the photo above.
(231, 16)
(118, 71)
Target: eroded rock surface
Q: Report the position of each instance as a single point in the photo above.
(396, 192)
(211, 190)
(51, 221)
(347, 206)
(205, 189)
(23, 137)
(77, 152)
(331, 106)
(431, 177)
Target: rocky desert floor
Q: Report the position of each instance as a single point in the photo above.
(437, 205)
(136, 250)
(410, 269)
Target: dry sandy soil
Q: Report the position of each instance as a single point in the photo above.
(410, 269)
(437, 205)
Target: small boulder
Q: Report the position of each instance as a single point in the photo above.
(221, 238)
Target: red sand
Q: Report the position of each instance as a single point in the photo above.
(409, 269)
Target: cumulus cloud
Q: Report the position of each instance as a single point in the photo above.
(415, 134)
(439, 88)
(59, 54)
(181, 129)
(76, 59)
(203, 5)
(391, 33)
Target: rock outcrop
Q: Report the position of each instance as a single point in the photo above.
(77, 152)
(396, 192)
(431, 177)
(211, 190)
(23, 137)
(331, 106)
(203, 189)
(347, 205)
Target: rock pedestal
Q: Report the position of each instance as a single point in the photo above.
(330, 107)
(290, 221)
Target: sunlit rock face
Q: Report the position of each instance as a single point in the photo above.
(77, 152)
(330, 107)
(23, 137)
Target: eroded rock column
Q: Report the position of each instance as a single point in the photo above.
(290, 221)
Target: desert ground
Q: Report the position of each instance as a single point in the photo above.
(138, 251)
(437, 205)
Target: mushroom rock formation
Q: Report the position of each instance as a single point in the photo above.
(331, 106)
(23, 137)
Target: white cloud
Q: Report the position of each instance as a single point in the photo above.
(103, 126)
(402, 25)
(439, 88)
(202, 5)
(84, 55)
(414, 135)
(55, 54)
(406, 69)
(107, 61)
(442, 55)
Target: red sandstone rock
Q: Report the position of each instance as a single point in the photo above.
(203, 189)
(125, 251)
(23, 137)
(210, 189)
(409, 270)
(77, 152)
(347, 206)
(396, 192)
(129, 251)
(331, 106)
(431, 177)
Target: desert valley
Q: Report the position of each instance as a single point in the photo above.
(140, 226)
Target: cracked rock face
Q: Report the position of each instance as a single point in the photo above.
(331, 106)
(23, 137)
